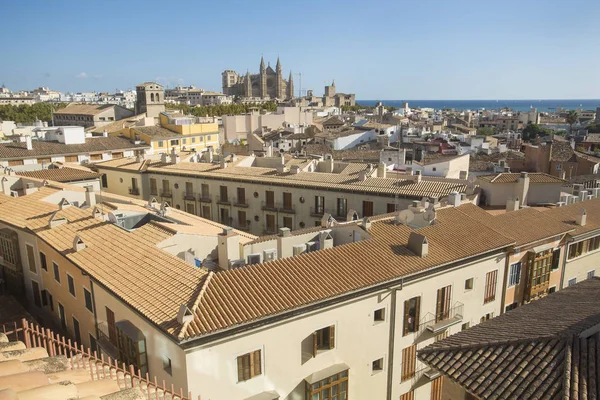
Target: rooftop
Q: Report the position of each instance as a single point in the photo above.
(507, 177)
(85, 109)
(65, 174)
(526, 354)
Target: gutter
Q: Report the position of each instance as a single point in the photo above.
(391, 339)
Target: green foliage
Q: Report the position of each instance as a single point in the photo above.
(594, 128)
(28, 114)
(221, 109)
(572, 117)
(358, 108)
(485, 131)
(531, 131)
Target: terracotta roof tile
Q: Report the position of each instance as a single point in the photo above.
(534, 177)
(65, 174)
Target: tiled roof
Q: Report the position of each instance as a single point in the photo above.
(19, 150)
(65, 174)
(253, 292)
(537, 351)
(534, 177)
(117, 125)
(85, 109)
(567, 215)
(157, 132)
(561, 151)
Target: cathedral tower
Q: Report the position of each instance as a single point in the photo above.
(263, 78)
(279, 82)
(247, 85)
(290, 87)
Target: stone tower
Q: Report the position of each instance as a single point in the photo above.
(150, 99)
(290, 87)
(263, 78)
(229, 79)
(247, 85)
(330, 90)
(279, 83)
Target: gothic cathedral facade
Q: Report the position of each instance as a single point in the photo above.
(267, 84)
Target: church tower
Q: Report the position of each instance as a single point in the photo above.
(247, 85)
(150, 99)
(279, 83)
(263, 78)
(290, 87)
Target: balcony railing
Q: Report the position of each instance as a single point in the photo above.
(223, 200)
(270, 229)
(317, 211)
(189, 196)
(153, 191)
(287, 208)
(104, 341)
(423, 375)
(205, 198)
(134, 191)
(240, 202)
(267, 206)
(166, 193)
(444, 320)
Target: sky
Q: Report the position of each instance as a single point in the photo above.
(525, 49)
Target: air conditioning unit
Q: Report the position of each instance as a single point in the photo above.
(233, 264)
(312, 246)
(270, 255)
(253, 259)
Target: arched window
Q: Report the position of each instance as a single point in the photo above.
(151, 96)
(157, 100)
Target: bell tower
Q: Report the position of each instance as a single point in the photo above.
(150, 99)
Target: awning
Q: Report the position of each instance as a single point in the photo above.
(270, 395)
(542, 247)
(444, 324)
(326, 373)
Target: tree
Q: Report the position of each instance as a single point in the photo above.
(594, 128)
(571, 118)
(531, 131)
(28, 114)
(485, 131)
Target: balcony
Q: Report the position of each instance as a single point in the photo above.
(268, 206)
(166, 193)
(288, 209)
(223, 200)
(189, 196)
(317, 211)
(445, 320)
(104, 342)
(205, 198)
(134, 191)
(423, 375)
(270, 229)
(153, 192)
(241, 203)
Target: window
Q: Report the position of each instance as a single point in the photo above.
(591, 274)
(104, 181)
(319, 205)
(490, 286)
(555, 259)
(174, 142)
(76, 331)
(511, 307)
(408, 396)
(391, 207)
(161, 143)
(112, 328)
(342, 207)
(333, 387)
(288, 223)
(409, 362)
(442, 308)
(379, 315)
(465, 326)
(241, 196)
(377, 366)
(35, 289)
(88, 300)
(584, 246)
(56, 272)
(552, 289)
(167, 365)
(249, 365)
(31, 258)
(71, 285)
(193, 140)
(469, 284)
(93, 346)
(63, 318)
(539, 265)
(367, 210)
(487, 317)
(287, 201)
(96, 157)
(43, 262)
(323, 340)
(412, 309)
(153, 187)
(223, 194)
(514, 275)
(572, 282)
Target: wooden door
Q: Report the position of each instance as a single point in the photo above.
(112, 328)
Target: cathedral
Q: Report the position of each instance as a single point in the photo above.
(267, 84)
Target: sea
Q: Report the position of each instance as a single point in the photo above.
(517, 105)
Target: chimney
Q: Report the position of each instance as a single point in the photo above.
(366, 224)
(163, 158)
(282, 250)
(581, 217)
(90, 196)
(223, 164)
(454, 199)
(512, 204)
(409, 170)
(362, 176)
(174, 156)
(228, 247)
(78, 244)
(563, 174)
(418, 177)
(284, 232)
(381, 170)
(463, 175)
(418, 244)
(522, 188)
(295, 169)
(328, 163)
(28, 142)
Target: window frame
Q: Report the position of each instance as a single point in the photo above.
(56, 271)
(491, 284)
(516, 279)
(406, 323)
(32, 256)
(252, 373)
(43, 261)
(71, 285)
(86, 294)
(383, 311)
(381, 361)
(319, 348)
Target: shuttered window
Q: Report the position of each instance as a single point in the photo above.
(436, 389)
(490, 286)
(442, 308)
(412, 309)
(409, 362)
(323, 339)
(408, 396)
(249, 366)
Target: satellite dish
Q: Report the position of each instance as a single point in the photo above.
(405, 217)
(429, 215)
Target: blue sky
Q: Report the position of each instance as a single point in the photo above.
(379, 50)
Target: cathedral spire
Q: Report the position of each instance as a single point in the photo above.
(333, 83)
(262, 63)
(278, 65)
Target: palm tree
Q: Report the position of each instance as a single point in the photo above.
(572, 118)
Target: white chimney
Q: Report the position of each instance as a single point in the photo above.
(90, 196)
(454, 199)
(581, 217)
(362, 176)
(381, 170)
(28, 142)
(418, 244)
(418, 177)
(512, 204)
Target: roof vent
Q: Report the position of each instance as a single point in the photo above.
(184, 315)
(418, 244)
(366, 224)
(284, 232)
(56, 221)
(581, 217)
(96, 213)
(64, 203)
(78, 244)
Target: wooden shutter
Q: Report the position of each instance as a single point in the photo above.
(436, 389)
(240, 365)
(417, 312)
(490, 286)
(112, 329)
(406, 315)
(332, 337)
(408, 396)
(409, 362)
(256, 367)
(314, 335)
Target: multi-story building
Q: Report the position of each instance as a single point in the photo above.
(150, 99)
(262, 194)
(267, 84)
(342, 308)
(88, 115)
(238, 127)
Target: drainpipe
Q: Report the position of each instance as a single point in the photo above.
(390, 375)
(564, 264)
(505, 283)
(95, 311)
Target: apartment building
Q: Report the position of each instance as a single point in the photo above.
(520, 189)
(262, 194)
(88, 115)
